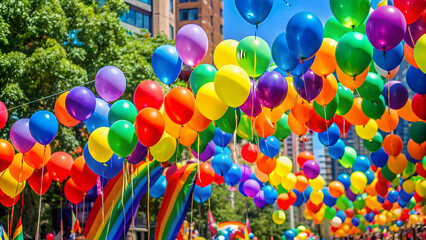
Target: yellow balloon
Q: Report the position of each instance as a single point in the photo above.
(232, 85)
(382, 3)
(225, 53)
(367, 131)
(274, 178)
(420, 53)
(278, 217)
(316, 197)
(209, 103)
(358, 180)
(409, 186)
(284, 166)
(317, 183)
(9, 185)
(164, 149)
(260, 175)
(421, 188)
(291, 98)
(289, 181)
(98, 145)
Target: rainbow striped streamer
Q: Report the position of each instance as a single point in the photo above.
(119, 208)
(176, 202)
(3, 234)
(19, 234)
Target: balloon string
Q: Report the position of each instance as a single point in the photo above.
(60, 202)
(41, 191)
(255, 40)
(84, 208)
(198, 157)
(235, 138)
(133, 216)
(147, 208)
(325, 121)
(122, 202)
(192, 212)
(411, 36)
(252, 107)
(16, 191)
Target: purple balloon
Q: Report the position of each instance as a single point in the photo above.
(251, 187)
(110, 83)
(138, 154)
(252, 107)
(271, 89)
(311, 169)
(259, 199)
(80, 103)
(308, 86)
(350, 195)
(395, 94)
(415, 31)
(386, 27)
(207, 153)
(21, 137)
(246, 173)
(192, 44)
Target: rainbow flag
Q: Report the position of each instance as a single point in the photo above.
(3, 234)
(176, 202)
(18, 235)
(119, 208)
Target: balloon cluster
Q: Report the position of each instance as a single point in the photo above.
(301, 233)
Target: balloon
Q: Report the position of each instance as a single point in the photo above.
(285, 200)
(372, 87)
(61, 112)
(149, 126)
(80, 103)
(379, 158)
(164, 149)
(284, 166)
(122, 110)
(375, 110)
(19, 169)
(221, 164)
(122, 138)
(269, 146)
(282, 55)
(416, 150)
(409, 55)
(389, 120)
(336, 189)
(206, 176)
(198, 122)
(98, 145)
(179, 105)
(254, 12)
(208, 102)
(384, 73)
(262, 177)
(3, 115)
(334, 30)
(251, 188)
(148, 94)
(328, 91)
(233, 175)
(208, 152)
(159, 188)
(201, 75)
(9, 185)
(419, 53)
(101, 114)
(166, 62)
(224, 54)
(297, 127)
(59, 166)
(353, 53)
(397, 164)
(35, 181)
(271, 89)
(301, 68)
(317, 123)
(308, 86)
(416, 80)
(386, 28)
(337, 150)
(418, 105)
(344, 178)
(346, 98)
(390, 59)
(301, 183)
(325, 61)
(253, 55)
(301, 110)
(304, 34)
(289, 181)
(43, 126)
(282, 128)
(7, 154)
(20, 135)
(348, 158)
(38, 156)
(327, 111)
(249, 152)
(191, 44)
(252, 107)
(229, 121)
(82, 175)
(411, 9)
(350, 13)
(395, 94)
(351, 82)
(415, 31)
(362, 163)
(311, 169)
(374, 144)
(108, 169)
(329, 137)
(392, 144)
(72, 193)
(417, 132)
(303, 157)
(367, 131)
(355, 115)
(110, 83)
(138, 154)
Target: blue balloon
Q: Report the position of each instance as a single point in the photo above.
(251, 235)
(369, 217)
(399, 223)
(302, 67)
(166, 64)
(233, 176)
(402, 203)
(392, 196)
(331, 136)
(241, 188)
(341, 214)
(270, 194)
(337, 150)
(411, 159)
(221, 164)
(362, 163)
(289, 235)
(158, 188)
(370, 176)
(380, 199)
(202, 194)
(254, 11)
(304, 34)
(389, 60)
(99, 117)
(299, 198)
(345, 179)
(355, 221)
(109, 169)
(221, 138)
(282, 56)
(416, 80)
(43, 127)
(329, 200)
(403, 195)
(307, 193)
(269, 146)
(379, 158)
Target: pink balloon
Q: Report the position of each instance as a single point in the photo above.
(3, 115)
(192, 44)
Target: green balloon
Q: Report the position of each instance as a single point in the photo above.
(387, 173)
(177, 155)
(334, 30)
(424, 162)
(359, 203)
(244, 129)
(373, 109)
(346, 99)
(342, 203)
(281, 189)
(253, 51)
(122, 110)
(350, 13)
(229, 121)
(372, 87)
(283, 130)
(327, 112)
(329, 212)
(373, 145)
(348, 158)
(395, 182)
(201, 75)
(354, 53)
(411, 204)
(417, 132)
(122, 138)
(204, 137)
(409, 170)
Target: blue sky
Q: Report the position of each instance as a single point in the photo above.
(235, 27)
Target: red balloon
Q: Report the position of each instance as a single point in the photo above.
(412, 9)
(8, 201)
(292, 197)
(3, 115)
(381, 189)
(50, 236)
(82, 175)
(303, 157)
(313, 207)
(387, 205)
(179, 105)
(170, 170)
(266, 164)
(392, 144)
(420, 170)
(35, 181)
(72, 193)
(249, 152)
(206, 176)
(417, 197)
(148, 94)
(418, 104)
(59, 166)
(318, 124)
(7, 152)
(218, 179)
(349, 213)
(284, 201)
(343, 125)
(149, 126)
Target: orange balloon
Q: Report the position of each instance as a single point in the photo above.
(171, 127)
(325, 60)
(38, 156)
(336, 189)
(298, 128)
(392, 144)
(351, 82)
(356, 116)
(260, 175)
(301, 110)
(198, 122)
(407, 113)
(371, 188)
(273, 115)
(387, 74)
(409, 55)
(187, 136)
(416, 151)
(6, 154)
(301, 183)
(263, 126)
(19, 169)
(72, 193)
(179, 104)
(389, 120)
(291, 98)
(328, 91)
(61, 112)
(397, 164)
(266, 164)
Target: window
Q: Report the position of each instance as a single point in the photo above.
(171, 5)
(211, 4)
(188, 14)
(211, 37)
(137, 19)
(211, 20)
(147, 1)
(188, 1)
(172, 32)
(221, 29)
(221, 12)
